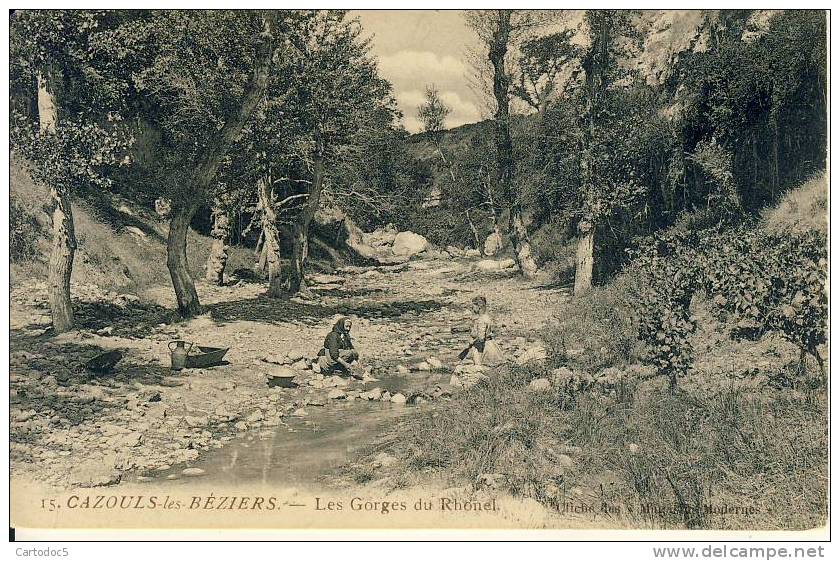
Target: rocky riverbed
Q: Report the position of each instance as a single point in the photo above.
(71, 427)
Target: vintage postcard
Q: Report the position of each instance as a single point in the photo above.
(562, 271)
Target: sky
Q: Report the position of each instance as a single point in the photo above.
(419, 47)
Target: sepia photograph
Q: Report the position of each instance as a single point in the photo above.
(563, 272)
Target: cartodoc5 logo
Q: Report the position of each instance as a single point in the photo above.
(42, 552)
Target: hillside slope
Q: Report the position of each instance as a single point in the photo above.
(121, 246)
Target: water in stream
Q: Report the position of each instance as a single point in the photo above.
(303, 450)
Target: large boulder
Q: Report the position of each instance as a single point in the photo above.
(381, 237)
(493, 244)
(409, 243)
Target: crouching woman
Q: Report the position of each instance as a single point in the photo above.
(338, 354)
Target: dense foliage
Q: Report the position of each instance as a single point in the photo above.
(761, 282)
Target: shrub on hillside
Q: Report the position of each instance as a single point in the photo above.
(442, 226)
(24, 231)
(669, 280)
(768, 282)
(761, 281)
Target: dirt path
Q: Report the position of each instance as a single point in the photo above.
(71, 428)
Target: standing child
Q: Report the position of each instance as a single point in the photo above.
(483, 350)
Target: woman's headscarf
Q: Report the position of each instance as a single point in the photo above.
(339, 324)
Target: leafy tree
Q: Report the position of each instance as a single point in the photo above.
(67, 121)
(433, 114)
(498, 31)
(203, 74)
(338, 91)
(545, 63)
(605, 185)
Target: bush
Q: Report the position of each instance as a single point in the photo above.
(769, 282)
(442, 226)
(669, 280)
(762, 281)
(24, 231)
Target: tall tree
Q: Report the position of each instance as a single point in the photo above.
(74, 136)
(206, 73)
(499, 32)
(337, 92)
(608, 33)
(432, 114)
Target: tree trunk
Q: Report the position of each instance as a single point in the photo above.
(205, 172)
(271, 240)
(176, 260)
(63, 233)
(585, 258)
(300, 242)
(474, 231)
(61, 260)
(259, 251)
(219, 251)
(494, 210)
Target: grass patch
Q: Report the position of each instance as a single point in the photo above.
(730, 459)
(597, 330)
(802, 209)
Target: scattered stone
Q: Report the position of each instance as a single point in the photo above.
(398, 398)
(255, 417)
(196, 421)
(472, 253)
(454, 251)
(299, 413)
(337, 394)
(95, 473)
(633, 448)
(493, 481)
(135, 231)
(402, 369)
(127, 440)
(335, 382)
(275, 358)
(488, 265)
(468, 375)
(371, 395)
(508, 263)
(192, 472)
(424, 366)
(434, 362)
(532, 354)
(539, 385)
